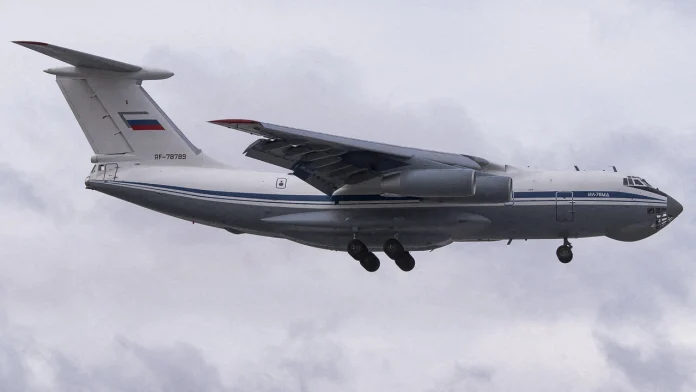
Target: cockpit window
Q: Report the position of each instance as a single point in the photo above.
(636, 181)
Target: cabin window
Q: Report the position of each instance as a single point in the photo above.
(638, 182)
(630, 181)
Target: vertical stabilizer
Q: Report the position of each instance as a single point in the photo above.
(116, 114)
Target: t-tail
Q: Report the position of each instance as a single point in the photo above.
(119, 118)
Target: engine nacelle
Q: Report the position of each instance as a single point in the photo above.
(432, 183)
(492, 189)
(467, 184)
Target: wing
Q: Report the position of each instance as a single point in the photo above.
(328, 162)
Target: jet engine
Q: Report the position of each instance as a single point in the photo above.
(450, 183)
(432, 183)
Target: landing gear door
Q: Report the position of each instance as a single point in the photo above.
(565, 209)
(110, 171)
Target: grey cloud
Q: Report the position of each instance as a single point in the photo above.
(27, 365)
(664, 367)
(478, 373)
(12, 371)
(310, 359)
(467, 378)
(679, 7)
(314, 364)
(320, 359)
(17, 188)
(137, 368)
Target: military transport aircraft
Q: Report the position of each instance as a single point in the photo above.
(337, 193)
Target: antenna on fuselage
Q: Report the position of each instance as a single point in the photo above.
(576, 168)
(614, 167)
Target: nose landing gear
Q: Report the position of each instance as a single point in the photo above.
(565, 252)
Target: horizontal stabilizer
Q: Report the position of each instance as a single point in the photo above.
(79, 59)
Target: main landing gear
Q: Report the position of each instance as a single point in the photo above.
(565, 252)
(393, 249)
(358, 250)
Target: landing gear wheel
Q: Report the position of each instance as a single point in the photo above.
(357, 250)
(564, 253)
(393, 248)
(405, 261)
(370, 262)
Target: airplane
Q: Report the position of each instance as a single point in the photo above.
(337, 193)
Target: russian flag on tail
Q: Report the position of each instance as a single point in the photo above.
(145, 125)
(140, 124)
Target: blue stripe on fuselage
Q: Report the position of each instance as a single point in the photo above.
(277, 197)
(584, 195)
(611, 196)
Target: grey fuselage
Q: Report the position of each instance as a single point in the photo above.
(546, 205)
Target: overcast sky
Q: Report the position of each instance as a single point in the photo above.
(97, 294)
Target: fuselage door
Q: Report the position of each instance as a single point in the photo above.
(565, 211)
(110, 171)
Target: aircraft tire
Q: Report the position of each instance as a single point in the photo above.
(405, 262)
(393, 248)
(564, 254)
(370, 262)
(357, 250)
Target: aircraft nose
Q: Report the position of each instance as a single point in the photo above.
(674, 208)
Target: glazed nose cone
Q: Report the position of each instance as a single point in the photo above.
(674, 208)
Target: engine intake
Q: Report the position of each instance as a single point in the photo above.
(492, 189)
